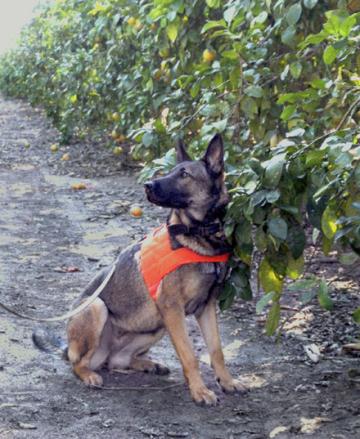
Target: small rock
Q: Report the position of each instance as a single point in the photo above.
(26, 426)
(313, 352)
(108, 423)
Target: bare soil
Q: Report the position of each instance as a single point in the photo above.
(46, 227)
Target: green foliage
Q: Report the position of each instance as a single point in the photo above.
(280, 80)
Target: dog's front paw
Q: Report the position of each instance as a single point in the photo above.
(203, 395)
(93, 379)
(232, 386)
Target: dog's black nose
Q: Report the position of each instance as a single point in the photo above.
(148, 185)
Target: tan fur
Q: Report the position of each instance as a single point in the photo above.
(121, 325)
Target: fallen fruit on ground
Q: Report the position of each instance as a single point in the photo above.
(54, 148)
(117, 150)
(136, 211)
(65, 157)
(78, 186)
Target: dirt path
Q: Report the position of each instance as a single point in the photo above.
(46, 227)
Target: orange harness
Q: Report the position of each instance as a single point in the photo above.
(157, 258)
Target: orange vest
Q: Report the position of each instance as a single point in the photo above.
(157, 258)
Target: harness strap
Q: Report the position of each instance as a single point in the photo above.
(158, 259)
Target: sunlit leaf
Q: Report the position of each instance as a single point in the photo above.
(269, 280)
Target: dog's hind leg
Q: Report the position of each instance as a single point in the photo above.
(89, 334)
(130, 356)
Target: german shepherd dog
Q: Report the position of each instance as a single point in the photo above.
(120, 326)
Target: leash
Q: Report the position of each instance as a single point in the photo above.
(68, 314)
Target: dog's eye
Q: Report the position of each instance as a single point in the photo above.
(184, 174)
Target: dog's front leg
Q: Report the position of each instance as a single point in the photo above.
(174, 320)
(209, 327)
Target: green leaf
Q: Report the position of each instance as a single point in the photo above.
(266, 298)
(147, 139)
(328, 222)
(324, 299)
(269, 279)
(213, 3)
(254, 91)
(260, 239)
(326, 245)
(348, 258)
(297, 132)
(356, 315)
(212, 24)
(272, 196)
(347, 25)
(293, 14)
(288, 36)
(310, 4)
(314, 158)
(307, 296)
(287, 112)
(230, 54)
(295, 267)
(296, 69)
(230, 14)
(246, 293)
(273, 318)
(249, 107)
(278, 228)
(227, 296)
(330, 54)
(296, 240)
(172, 31)
(243, 233)
(304, 284)
(261, 18)
(273, 170)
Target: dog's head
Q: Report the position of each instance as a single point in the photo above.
(196, 186)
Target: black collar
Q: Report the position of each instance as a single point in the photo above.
(204, 230)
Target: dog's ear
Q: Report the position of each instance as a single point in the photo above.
(181, 153)
(214, 156)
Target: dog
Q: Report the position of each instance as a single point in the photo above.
(122, 324)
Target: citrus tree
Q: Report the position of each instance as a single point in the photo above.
(279, 79)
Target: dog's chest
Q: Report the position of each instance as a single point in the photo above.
(199, 283)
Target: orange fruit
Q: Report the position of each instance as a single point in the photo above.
(78, 186)
(121, 138)
(115, 116)
(136, 211)
(208, 55)
(117, 150)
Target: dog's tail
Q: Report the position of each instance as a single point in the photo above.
(47, 341)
